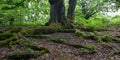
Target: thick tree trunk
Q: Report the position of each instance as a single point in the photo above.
(57, 12)
(71, 9)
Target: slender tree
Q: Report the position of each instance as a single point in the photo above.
(71, 9)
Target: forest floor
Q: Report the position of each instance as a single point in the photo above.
(66, 51)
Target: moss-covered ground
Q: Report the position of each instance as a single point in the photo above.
(54, 43)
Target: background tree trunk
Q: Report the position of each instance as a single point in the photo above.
(71, 9)
(57, 12)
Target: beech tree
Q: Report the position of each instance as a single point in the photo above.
(57, 11)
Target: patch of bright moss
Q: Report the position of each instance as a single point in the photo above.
(57, 40)
(19, 55)
(89, 36)
(105, 38)
(97, 33)
(90, 47)
(79, 33)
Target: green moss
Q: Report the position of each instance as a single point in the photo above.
(55, 26)
(57, 40)
(67, 30)
(31, 45)
(79, 33)
(15, 30)
(1, 31)
(6, 42)
(106, 44)
(76, 45)
(39, 36)
(89, 36)
(28, 31)
(117, 52)
(18, 54)
(68, 25)
(44, 30)
(97, 33)
(4, 36)
(90, 47)
(105, 38)
(83, 51)
(47, 29)
(44, 50)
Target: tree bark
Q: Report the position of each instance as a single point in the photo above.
(71, 9)
(57, 12)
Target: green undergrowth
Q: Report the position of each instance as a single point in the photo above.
(94, 25)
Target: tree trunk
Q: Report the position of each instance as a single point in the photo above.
(57, 12)
(71, 9)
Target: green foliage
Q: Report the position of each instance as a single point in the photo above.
(92, 24)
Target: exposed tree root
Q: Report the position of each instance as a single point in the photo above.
(15, 37)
